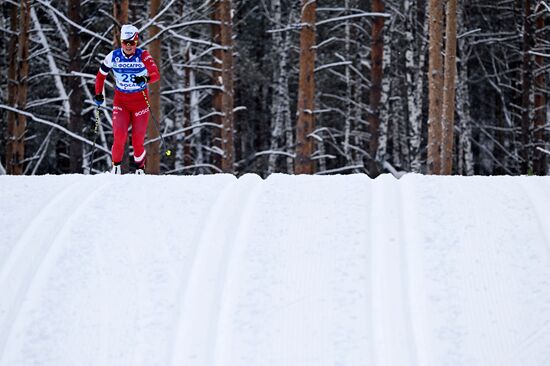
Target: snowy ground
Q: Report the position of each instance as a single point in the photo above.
(219, 271)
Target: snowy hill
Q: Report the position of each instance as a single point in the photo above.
(214, 270)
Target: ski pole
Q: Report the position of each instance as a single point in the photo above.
(96, 127)
(167, 152)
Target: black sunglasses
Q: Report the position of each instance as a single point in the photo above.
(133, 43)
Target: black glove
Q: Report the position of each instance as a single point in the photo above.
(99, 99)
(141, 79)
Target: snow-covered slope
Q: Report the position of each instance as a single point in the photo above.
(291, 270)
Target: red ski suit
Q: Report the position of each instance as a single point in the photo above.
(129, 105)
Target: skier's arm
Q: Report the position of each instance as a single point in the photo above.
(102, 74)
(99, 81)
(151, 67)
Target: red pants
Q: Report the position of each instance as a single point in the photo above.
(129, 109)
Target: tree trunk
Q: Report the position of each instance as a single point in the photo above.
(293, 18)
(348, 105)
(540, 165)
(12, 143)
(526, 164)
(435, 80)
(75, 100)
(223, 77)
(280, 107)
(120, 14)
(415, 80)
(188, 76)
(385, 111)
(449, 90)
(465, 153)
(306, 90)
(376, 85)
(19, 70)
(153, 153)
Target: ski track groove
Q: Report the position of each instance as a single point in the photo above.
(237, 246)
(175, 349)
(36, 265)
(539, 202)
(484, 254)
(108, 315)
(16, 261)
(390, 274)
(502, 349)
(196, 327)
(539, 209)
(420, 324)
(406, 275)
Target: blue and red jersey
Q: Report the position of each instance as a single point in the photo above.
(125, 69)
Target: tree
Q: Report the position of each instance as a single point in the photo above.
(527, 75)
(376, 85)
(414, 70)
(435, 82)
(465, 155)
(75, 99)
(120, 15)
(223, 78)
(449, 90)
(540, 158)
(306, 90)
(153, 154)
(280, 106)
(17, 94)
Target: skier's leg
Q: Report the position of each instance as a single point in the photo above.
(121, 121)
(139, 129)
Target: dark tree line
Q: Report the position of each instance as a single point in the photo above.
(301, 86)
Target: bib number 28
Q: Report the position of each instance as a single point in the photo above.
(127, 78)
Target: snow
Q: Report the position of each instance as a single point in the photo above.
(290, 270)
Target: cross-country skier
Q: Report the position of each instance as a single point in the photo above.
(132, 68)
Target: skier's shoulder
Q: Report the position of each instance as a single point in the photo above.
(108, 61)
(146, 56)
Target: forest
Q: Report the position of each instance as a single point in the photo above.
(441, 87)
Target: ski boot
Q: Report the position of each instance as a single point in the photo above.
(116, 169)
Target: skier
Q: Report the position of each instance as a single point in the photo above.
(132, 68)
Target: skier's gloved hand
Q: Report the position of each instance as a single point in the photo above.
(99, 99)
(141, 80)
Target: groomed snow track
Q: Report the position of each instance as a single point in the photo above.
(290, 270)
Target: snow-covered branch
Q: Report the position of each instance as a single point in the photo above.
(328, 66)
(342, 169)
(195, 88)
(154, 19)
(353, 16)
(54, 125)
(82, 29)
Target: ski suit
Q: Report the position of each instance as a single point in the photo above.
(129, 105)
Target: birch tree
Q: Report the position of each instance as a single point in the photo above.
(435, 81)
(280, 107)
(465, 154)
